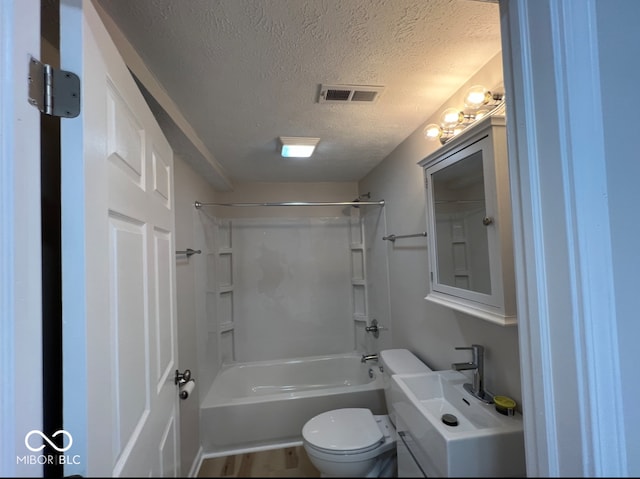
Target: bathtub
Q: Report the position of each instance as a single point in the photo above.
(264, 404)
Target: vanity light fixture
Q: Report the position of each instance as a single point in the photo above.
(478, 102)
(297, 146)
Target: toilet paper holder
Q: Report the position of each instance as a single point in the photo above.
(182, 378)
(186, 388)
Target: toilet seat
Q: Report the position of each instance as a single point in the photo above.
(343, 431)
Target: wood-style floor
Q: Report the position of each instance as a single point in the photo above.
(286, 462)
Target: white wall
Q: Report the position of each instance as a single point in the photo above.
(429, 330)
(188, 187)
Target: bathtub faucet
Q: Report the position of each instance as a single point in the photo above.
(369, 357)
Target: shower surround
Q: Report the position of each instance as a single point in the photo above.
(284, 294)
(292, 285)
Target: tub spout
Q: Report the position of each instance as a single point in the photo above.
(369, 357)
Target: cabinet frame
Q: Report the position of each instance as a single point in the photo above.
(487, 136)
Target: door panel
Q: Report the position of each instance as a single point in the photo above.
(126, 240)
(125, 141)
(163, 318)
(129, 342)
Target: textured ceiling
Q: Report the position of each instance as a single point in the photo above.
(244, 72)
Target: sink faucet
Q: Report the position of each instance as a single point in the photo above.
(369, 357)
(477, 365)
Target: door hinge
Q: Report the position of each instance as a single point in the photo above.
(53, 92)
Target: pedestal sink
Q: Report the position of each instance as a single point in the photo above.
(451, 433)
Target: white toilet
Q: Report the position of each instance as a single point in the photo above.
(353, 442)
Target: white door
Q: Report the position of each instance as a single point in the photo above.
(119, 309)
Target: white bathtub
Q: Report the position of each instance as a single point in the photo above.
(265, 404)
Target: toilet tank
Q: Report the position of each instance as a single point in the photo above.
(398, 361)
(401, 361)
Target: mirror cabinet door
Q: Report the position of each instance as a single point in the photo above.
(462, 247)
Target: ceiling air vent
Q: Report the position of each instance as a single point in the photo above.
(349, 93)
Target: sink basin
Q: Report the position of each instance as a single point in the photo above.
(473, 440)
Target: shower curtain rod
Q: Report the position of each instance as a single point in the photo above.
(199, 205)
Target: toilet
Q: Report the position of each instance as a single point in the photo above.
(353, 442)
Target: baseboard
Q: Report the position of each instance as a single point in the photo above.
(243, 450)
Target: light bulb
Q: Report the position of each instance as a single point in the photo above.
(432, 131)
(451, 117)
(458, 129)
(477, 96)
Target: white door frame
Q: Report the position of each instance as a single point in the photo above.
(569, 356)
(20, 244)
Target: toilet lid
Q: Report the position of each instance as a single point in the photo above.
(345, 429)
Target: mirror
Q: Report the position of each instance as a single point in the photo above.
(462, 247)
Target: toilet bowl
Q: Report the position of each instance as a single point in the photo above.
(349, 442)
(353, 442)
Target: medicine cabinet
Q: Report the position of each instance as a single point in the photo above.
(469, 223)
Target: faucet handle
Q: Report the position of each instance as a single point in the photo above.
(477, 351)
(473, 347)
(375, 328)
